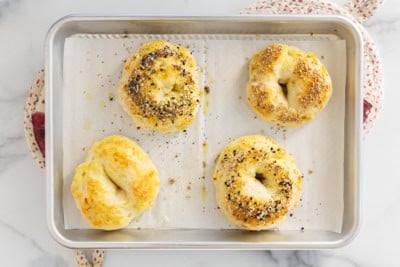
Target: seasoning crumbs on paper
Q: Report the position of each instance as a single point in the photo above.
(205, 147)
(111, 97)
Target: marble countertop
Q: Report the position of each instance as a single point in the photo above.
(24, 239)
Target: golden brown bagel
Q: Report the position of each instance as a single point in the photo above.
(117, 182)
(256, 182)
(159, 87)
(287, 86)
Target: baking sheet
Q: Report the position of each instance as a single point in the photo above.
(92, 67)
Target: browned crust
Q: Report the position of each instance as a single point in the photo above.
(308, 82)
(147, 74)
(116, 183)
(278, 171)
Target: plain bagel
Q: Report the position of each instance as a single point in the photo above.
(115, 184)
(256, 182)
(287, 86)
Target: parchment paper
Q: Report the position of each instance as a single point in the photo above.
(92, 67)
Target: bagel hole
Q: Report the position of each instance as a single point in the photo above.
(283, 86)
(116, 185)
(260, 177)
(113, 182)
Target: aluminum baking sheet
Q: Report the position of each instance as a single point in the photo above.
(324, 169)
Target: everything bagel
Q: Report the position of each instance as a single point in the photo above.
(256, 182)
(117, 182)
(159, 87)
(287, 86)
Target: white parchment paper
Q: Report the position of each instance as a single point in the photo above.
(92, 67)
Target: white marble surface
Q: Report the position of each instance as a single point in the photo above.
(24, 240)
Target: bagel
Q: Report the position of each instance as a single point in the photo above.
(117, 183)
(159, 87)
(256, 182)
(287, 86)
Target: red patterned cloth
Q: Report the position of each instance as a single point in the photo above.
(34, 120)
